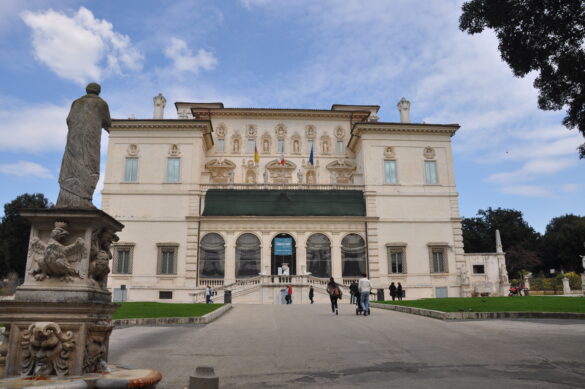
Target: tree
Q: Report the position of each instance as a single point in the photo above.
(519, 240)
(546, 36)
(562, 243)
(15, 231)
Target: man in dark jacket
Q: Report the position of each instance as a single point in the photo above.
(354, 292)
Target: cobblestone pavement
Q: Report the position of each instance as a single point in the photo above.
(306, 346)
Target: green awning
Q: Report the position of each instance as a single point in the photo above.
(231, 202)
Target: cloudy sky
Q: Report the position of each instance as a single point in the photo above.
(283, 53)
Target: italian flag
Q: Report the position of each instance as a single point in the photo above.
(282, 159)
(256, 155)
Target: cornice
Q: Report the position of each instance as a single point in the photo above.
(408, 128)
(280, 113)
(165, 124)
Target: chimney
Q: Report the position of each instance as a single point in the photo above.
(498, 243)
(404, 109)
(159, 106)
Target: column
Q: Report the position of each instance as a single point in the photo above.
(336, 257)
(301, 253)
(230, 259)
(265, 253)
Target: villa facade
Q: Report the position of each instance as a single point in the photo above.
(249, 200)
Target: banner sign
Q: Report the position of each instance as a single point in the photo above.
(283, 246)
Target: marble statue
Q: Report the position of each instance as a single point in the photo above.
(80, 168)
(300, 176)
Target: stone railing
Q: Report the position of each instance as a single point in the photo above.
(240, 286)
(206, 187)
(211, 282)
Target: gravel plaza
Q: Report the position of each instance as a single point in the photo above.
(278, 346)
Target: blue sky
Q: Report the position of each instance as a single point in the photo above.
(292, 54)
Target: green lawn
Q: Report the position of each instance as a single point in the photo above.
(499, 304)
(150, 310)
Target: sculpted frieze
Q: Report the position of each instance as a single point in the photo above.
(46, 350)
(100, 256)
(55, 259)
(221, 170)
(96, 348)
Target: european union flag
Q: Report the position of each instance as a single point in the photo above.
(311, 160)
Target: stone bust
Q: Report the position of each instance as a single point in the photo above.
(80, 168)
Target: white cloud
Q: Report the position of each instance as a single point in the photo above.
(25, 169)
(80, 48)
(185, 61)
(572, 188)
(33, 128)
(532, 169)
(527, 190)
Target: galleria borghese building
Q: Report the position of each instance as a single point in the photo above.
(253, 199)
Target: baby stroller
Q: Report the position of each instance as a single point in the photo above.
(359, 310)
(514, 291)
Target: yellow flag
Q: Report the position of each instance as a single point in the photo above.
(256, 155)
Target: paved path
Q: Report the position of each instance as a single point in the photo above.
(305, 346)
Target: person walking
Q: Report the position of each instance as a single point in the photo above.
(365, 286)
(208, 295)
(399, 292)
(334, 294)
(289, 294)
(354, 293)
(311, 294)
(393, 291)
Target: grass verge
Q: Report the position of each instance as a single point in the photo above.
(498, 304)
(139, 310)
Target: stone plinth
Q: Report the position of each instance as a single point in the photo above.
(59, 323)
(82, 333)
(68, 257)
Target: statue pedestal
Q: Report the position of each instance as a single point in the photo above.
(60, 321)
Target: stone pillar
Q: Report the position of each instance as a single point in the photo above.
(404, 109)
(301, 253)
(230, 259)
(566, 286)
(336, 267)
(266, 258)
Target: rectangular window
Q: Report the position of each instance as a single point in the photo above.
(167, 260)
(251, 145)
(131, 170)
(478, 269)
(165, 295)
(438, 260)
(390, 176)
(340, 147)
(431, 172)
(396, 263)
(281, 145)
(122, 260)
(174, 170)
(220, 145)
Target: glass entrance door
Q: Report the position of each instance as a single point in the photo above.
(283, 255)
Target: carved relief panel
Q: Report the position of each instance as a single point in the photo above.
(221, 170)
(341, 171)
(279, 174)
(310, 131)
(251, 172)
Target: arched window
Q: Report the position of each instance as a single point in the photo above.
(212, 256)
(353, 256)
(247, 256)
(319, 255)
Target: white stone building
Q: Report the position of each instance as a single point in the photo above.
(201, 207)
